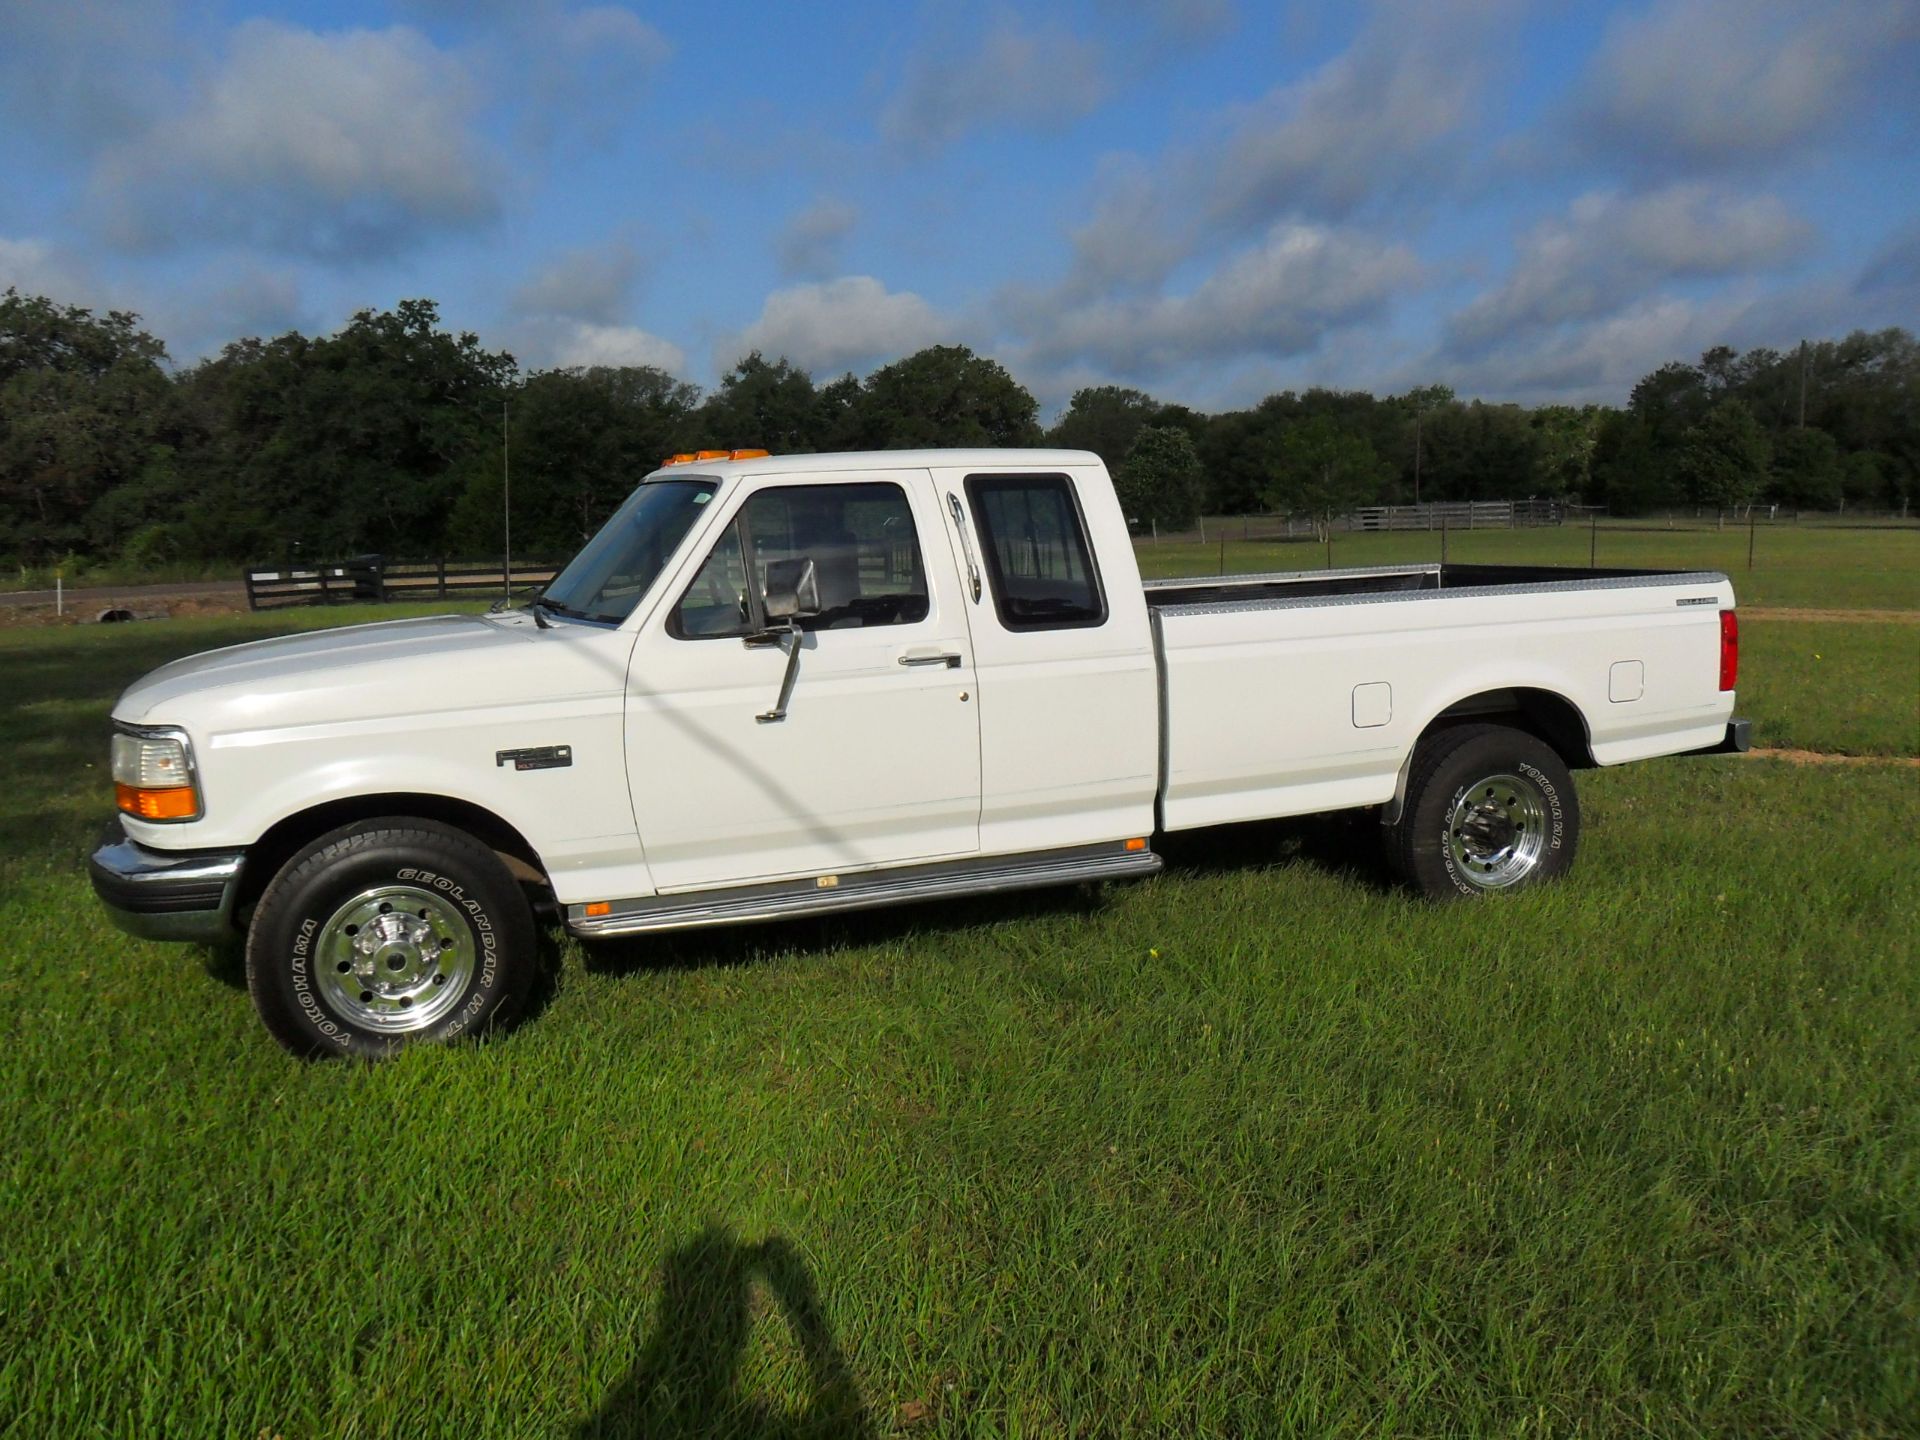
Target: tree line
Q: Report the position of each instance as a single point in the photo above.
(397, 436)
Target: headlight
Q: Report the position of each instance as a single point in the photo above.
(153, 775)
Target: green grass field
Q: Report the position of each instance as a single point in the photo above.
(1262, 1146)
(1812, 566)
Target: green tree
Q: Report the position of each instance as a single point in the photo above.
(1863, 480)
(1323, 469)
(1806, 470)
(761, 405)
(86, 409)
(1567, 435)
(1723, 457)
(1482, 452)
(581, 439)
(1631, 475)
(1158, 481)
(359, 441)
(1104, 419)
(945, 395)
(838, 423)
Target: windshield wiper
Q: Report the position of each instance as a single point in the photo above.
(505, 603)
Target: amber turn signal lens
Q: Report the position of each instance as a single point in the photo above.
(598, 907)
(174, 803)
(1136, 844)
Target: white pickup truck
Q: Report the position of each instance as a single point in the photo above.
(773, 686)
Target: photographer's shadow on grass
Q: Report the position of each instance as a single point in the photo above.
(687, 1381)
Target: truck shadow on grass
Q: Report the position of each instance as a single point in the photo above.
(687, 1380)
(1343, 846)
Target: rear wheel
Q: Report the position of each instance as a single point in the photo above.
(1488, 809)
(389, 933)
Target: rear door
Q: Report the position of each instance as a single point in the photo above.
(877, 760)
(1069, 694)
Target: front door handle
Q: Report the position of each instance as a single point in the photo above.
(930, 656)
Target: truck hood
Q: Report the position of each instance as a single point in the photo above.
(315, 661)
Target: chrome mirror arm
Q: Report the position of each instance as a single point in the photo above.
(779, 710)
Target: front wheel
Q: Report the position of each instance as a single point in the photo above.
(389, 933)
(1488, 809)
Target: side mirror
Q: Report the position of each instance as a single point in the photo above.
(793, 589)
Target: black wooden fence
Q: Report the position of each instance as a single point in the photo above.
(376, 578)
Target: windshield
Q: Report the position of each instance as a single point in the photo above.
(619, 565)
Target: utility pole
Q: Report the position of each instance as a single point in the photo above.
(1416, 457)
(1803, 385)
(506, 509)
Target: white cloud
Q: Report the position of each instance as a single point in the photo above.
(1189, 21)
(34, 267)
(1610, 250)
(593, 283)
(340, 144)
(1277, 298)
(811, 242)
(1599, 361)
(1015, 77)
(848, 323)
(583, 343)
(583, 68)
(79, 72)
(1379, 119)
(1691, 83)
(229, 299)
(1373, 117)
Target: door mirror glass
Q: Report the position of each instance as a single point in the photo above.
(793, 589)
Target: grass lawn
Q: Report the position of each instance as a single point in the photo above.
(1260, 1146)
(1811, 566)
(1847, 687)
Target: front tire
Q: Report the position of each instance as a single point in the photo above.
(389, 933)
(1488, 810)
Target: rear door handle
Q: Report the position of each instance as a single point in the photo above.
(931, 656)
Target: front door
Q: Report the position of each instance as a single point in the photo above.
(877, 758)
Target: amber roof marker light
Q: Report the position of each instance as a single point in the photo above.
(688, 457)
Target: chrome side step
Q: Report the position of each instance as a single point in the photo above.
(777, 901)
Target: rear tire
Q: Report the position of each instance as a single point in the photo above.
(1489, 809)
(389, 933)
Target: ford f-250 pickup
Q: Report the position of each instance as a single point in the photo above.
(772, 686)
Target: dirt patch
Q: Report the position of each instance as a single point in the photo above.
(1887, 617)
(142, 610)
(1818, 757)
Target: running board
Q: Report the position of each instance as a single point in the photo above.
(782, 899)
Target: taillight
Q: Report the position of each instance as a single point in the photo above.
(1729, 649)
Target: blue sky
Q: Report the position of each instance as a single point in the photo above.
(1211, 199)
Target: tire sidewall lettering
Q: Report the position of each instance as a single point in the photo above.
(1539, 777)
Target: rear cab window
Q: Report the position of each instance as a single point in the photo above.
(1039, 562)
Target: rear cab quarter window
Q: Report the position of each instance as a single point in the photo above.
(1039, 559)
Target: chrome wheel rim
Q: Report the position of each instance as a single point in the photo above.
(395, 959)
(1498, 830)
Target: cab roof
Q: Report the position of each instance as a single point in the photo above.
(857, 460)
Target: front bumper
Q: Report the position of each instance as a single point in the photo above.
(163, 894)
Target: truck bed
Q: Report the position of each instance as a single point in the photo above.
(1294, 586)
(1290, 693)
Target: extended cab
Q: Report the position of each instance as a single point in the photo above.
(772, 686)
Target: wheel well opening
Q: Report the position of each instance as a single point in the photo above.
(1552, 718)
(288, 837)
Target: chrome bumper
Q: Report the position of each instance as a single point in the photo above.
(166, 895)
